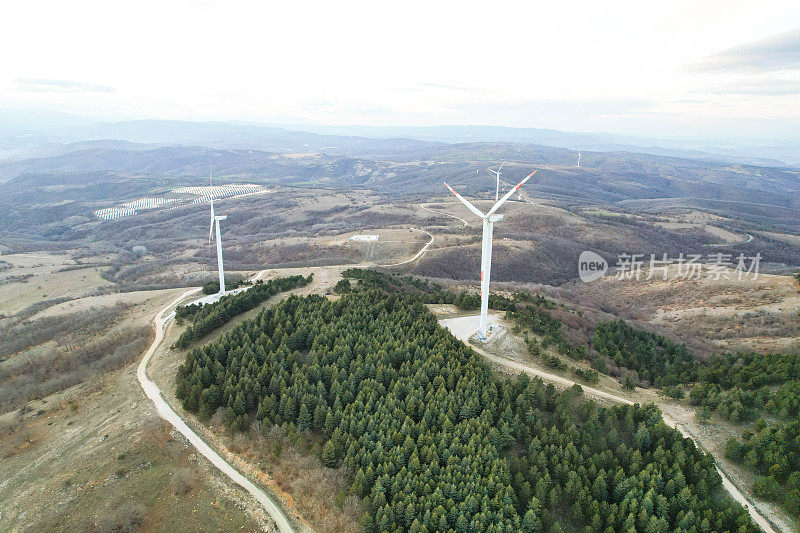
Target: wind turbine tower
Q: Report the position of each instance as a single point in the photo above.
(497, 173)
(488, 220)
(579, 159)
(216, 220)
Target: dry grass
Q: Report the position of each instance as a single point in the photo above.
(41, 356)
(96, 457)
(784, 237)
(715, 231)
(16, 296)
(710, 315)
(319, 493)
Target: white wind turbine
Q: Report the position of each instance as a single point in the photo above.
(497, 173)
(216, 219)
(486, 247)
(579, 159)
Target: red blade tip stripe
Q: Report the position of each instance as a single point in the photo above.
(523, 181)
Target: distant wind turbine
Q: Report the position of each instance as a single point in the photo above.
(217, 220)
(486, 247)
(579, 159)
(497, 173)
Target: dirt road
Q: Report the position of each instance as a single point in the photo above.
(733, 490)
(165, 411)
(416, 256)
(442, 213)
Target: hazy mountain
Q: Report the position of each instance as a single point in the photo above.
(223, 135)
(22, 132)
(30, 122)
(767, 152)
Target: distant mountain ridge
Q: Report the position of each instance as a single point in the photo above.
(605, 177)
(20, 132)
(765, 153)
(222, 135)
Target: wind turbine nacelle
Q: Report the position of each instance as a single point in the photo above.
(223, 217)
(495, 218)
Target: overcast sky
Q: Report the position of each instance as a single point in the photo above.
(661, 68)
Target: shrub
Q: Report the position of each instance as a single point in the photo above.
(768, 488)
(342, 287)
(734, 450)
(126, 518)
(675, 392)
(182, 481)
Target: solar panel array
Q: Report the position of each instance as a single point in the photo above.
(111, 213)
(206, 194)
(200, 194)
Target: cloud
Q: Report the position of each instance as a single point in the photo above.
(778, 52)
(444, 86)
(760, 88)
(60, 86)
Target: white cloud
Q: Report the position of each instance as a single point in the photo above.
(758, 87)
(377, 63)
(775, 53)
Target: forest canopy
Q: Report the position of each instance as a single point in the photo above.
(432, 440)
(206, 318)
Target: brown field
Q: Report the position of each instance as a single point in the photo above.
(40, 278)
(35, 263)
(711, 315)
(784, 237)
(96, 457)
(723, 234)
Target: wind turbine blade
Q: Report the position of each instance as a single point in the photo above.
(502, 200)
(465, 202)
(501, 166)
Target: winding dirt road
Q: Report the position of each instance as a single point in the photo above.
(416, 256)
(160, 321)
(442, 213)
(166, 412)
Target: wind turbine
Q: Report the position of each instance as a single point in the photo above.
(216, 219)
(579, 159)
(486, 247)
(497, 173)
